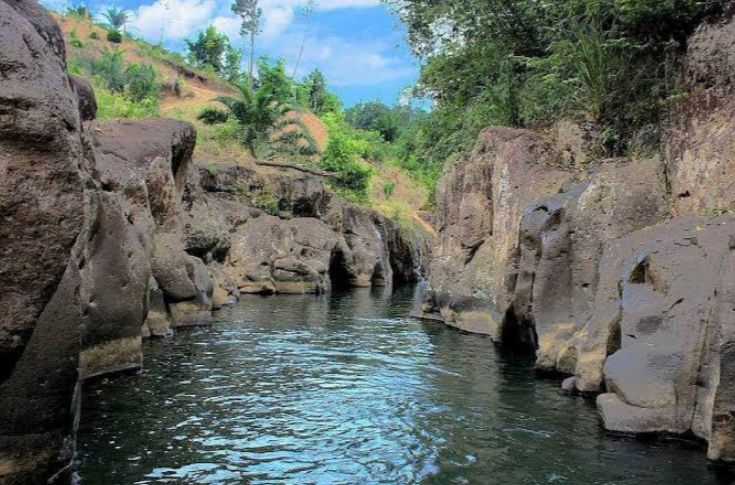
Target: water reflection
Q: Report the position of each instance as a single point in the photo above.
(349, 390)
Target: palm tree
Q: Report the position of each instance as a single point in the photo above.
(116, 17)
(260, 116)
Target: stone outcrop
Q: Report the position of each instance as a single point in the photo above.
(618, 274)
(480, 202)
(111, 234)
(700, 150)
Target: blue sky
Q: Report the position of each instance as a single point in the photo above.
(358, 44)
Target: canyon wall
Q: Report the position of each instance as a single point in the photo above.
(617, 273)
(111, 233)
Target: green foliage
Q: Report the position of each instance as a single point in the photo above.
(520, 63)
(343, 155)
(390, 122)
(114, 36)
(251, 16)
(118, 105)
(77, 10)
(263, 200)
(213, 116)
(93, 35)
(259, 113)
(116, 18)
(130, 91)
(74, 66)
(74, 39)
(110, 70)
(208, 49)
(317, 97)
(388, 189)
(141, 82)
(273, 80)
(212, 51)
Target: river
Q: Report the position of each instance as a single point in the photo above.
(349, 389)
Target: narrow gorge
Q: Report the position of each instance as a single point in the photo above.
(618, 274)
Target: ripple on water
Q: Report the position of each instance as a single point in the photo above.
(348, 390)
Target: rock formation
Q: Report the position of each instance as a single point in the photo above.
(617, 273)
(110, 234)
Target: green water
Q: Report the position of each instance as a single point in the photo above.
(350, 390)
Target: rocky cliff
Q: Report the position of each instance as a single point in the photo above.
(111, 233)
(617, 273)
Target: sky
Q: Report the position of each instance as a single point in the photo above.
(359, 45)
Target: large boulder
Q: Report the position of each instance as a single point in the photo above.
(42, 215)
(272, 255)
(659, 336)
(561, 244)
(114, 291)
(480, 202)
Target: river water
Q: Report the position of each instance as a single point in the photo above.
(349, 389)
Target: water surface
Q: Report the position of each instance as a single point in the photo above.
(348, 390)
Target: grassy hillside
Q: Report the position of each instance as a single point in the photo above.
(183, 92)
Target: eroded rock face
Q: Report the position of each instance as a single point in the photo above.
(590, 271)
(479, 206)
(42, 213)
(700, 150)
(561, 243)
(659, 336)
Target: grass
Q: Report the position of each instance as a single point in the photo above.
(390, 190)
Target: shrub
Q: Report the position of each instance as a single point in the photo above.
(388, 189)
(74, 39)
(93, 35)
(141, 82)
(341, 158)
(110, 69)
(112, 104)
(114, 36)
(213, 116)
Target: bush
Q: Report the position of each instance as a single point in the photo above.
(93, 35)
(114, 36)
(74, 39)
(110, 69)
(141, 82)
(213, 116)
(118, 105)
(341, 158)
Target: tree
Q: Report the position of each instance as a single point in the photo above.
(316, 89)
(251, 15)
(116, 17)
(305, 13)
(232, 71)
(208, 50)
(273, 80)
(260, 114)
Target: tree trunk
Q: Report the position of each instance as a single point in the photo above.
(252, 58)
(312, 171)
(301, 53)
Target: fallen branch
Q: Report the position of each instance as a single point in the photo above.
(312, 171)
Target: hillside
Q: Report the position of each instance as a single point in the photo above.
(217, 147)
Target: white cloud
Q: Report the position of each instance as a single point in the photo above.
(345, 62)
(350, 62)
(172, 19)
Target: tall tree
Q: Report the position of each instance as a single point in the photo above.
(208, 49)
(250, 14)
(116, 17)
(305, 13)
(316, 86)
